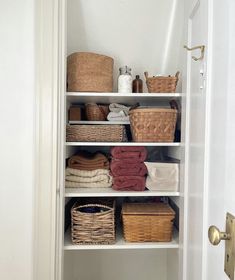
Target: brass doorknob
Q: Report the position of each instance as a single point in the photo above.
(215, 235)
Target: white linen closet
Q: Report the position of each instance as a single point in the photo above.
(145, 35)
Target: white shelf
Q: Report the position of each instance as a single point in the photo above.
(109, 192)
(98, 122)
(172, 144)
(121, 244)
(114, 97)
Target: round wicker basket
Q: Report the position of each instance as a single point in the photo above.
(95, 112)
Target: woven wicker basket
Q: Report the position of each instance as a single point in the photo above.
(93, 228)
(161, 84)
(96, 133)
(89, 72)
(96, 112)
(153, 124)
(145, 222)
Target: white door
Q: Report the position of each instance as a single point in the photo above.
(196, 140)
(221, 194)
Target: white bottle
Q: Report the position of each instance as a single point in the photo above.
(125, 80)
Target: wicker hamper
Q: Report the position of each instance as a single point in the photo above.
(95, 112)
(89, 72)
(161, 84)
(93, 223)
(153, 124)
(96, 133)
(146, 222)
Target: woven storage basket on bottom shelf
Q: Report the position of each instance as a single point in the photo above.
(96, 133)
(89, 72)
(147, 222)
(161, 84)
(95, 112)
(153, 124)
(93, 228)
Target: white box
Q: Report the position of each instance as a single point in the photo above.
(162, 176)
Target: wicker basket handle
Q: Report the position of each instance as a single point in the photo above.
(174, 104)
(146, 74)
(102, 111)
(93, 205)
(177, 75)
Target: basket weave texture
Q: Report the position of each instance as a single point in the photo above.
(161, 84)
(89, 72)
(96, 112)
(96, 133)
(153, 124)
(93, 228)
(147, 222)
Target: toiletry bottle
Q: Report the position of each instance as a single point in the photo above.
(137, 85)
(125, 80)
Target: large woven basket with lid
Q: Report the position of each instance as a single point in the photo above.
(153, 124)
(143, 222)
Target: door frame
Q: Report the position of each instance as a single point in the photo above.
(50, 24)
(208, 54)
(49, 81)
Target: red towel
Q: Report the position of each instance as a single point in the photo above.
(129, 154)
(123, 168)
(129, 183)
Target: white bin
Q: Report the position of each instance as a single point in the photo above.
(162, 176)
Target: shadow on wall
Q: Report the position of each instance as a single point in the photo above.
(145, 35)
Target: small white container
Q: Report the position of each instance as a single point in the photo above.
(162, 176)
(125, 80)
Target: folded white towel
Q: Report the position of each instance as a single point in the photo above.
(115, 107)
(99, 178)
(118, 112)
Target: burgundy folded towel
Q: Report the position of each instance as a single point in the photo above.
(129, 154)
(129, 183)
(123, 168)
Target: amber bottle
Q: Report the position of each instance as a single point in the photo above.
(137, 85)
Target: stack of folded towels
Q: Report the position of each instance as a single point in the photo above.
(128, 168)
(118, 112)
(88, 170)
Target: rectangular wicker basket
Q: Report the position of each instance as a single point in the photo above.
(147, 222)
(96, 133)
(153, 124)
(93, 227)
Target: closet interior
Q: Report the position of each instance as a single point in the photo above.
(146, 36)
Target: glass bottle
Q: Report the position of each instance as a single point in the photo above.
(137, 85)
(125, 80)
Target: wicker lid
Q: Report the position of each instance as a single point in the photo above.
(155, 209)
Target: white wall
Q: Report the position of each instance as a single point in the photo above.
(146, 35)
(17, 142)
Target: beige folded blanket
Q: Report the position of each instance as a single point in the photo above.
(99, 178)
